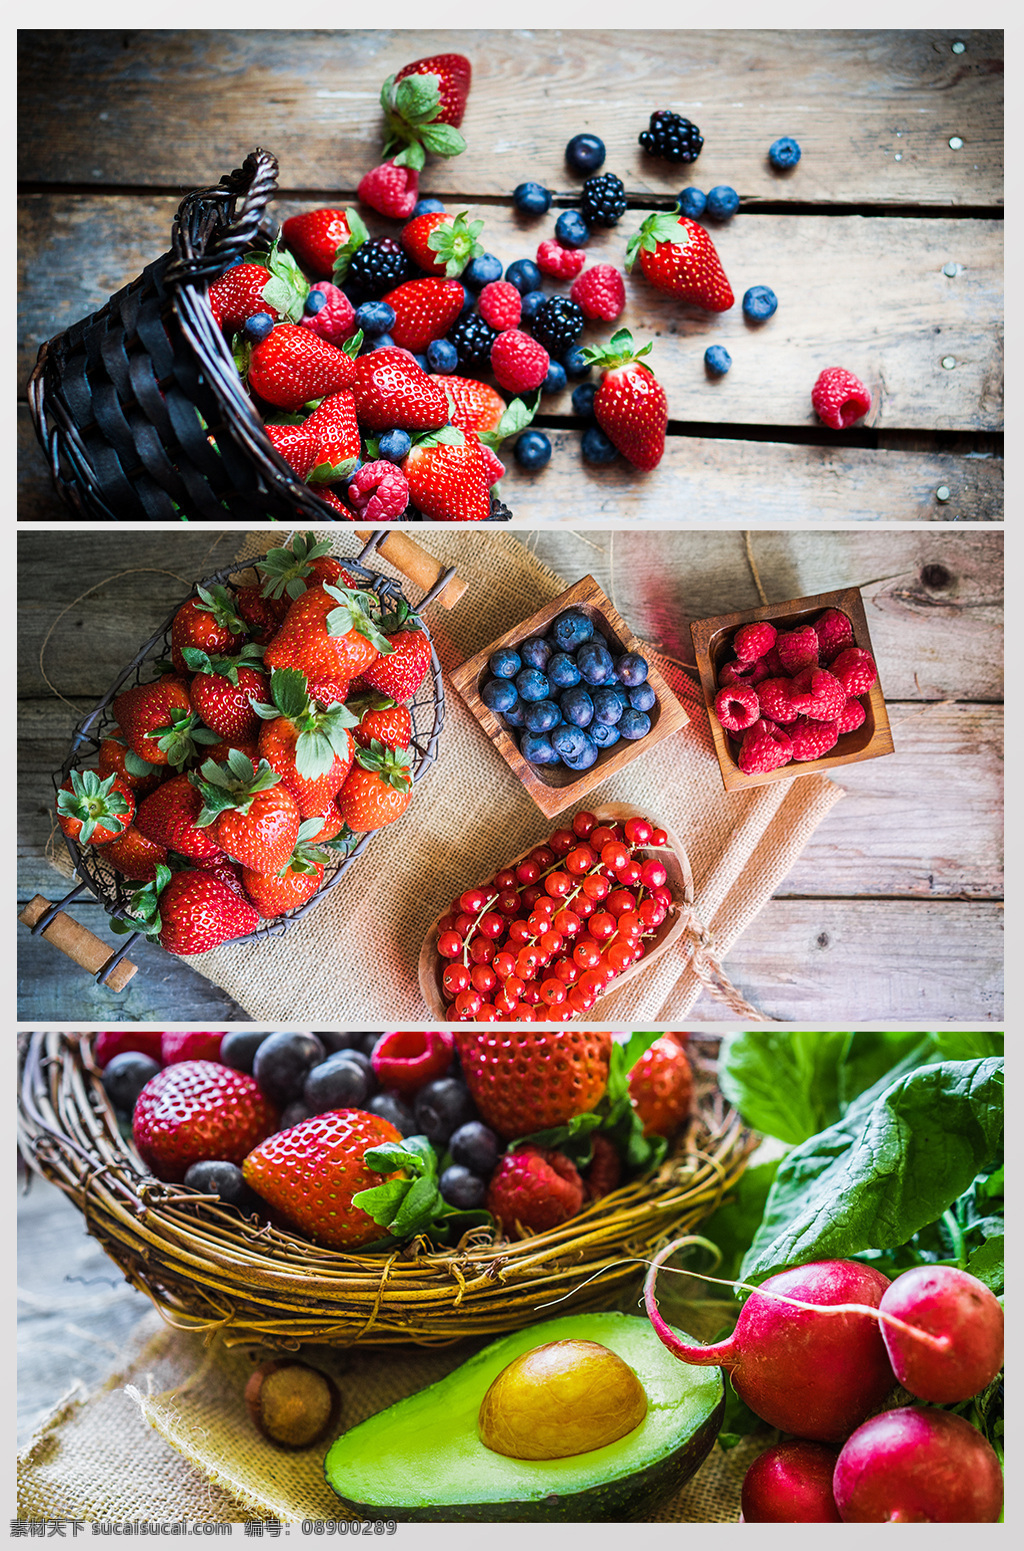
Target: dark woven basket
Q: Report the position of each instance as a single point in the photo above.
(140, 408)
(112, 889)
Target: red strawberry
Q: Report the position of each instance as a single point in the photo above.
(390, 190)
(335, 432)
(288, 572)
(382, 719)
(316, 236)
(334, 319)
(189, 1045)
(532, 1190)
(500, 305)
(519, 362)
(219, 752)
(198, 1110)
(454, 75)
(311, 750)
(332, 824)
(630, 404)
(839, 398)
(401, 672)
(295, 445)
(116, 758)
(441, 244)
(379, 492)
(260, 618)
(476, 405)
(378, 788)
(563, 263)
(192, 911)
(253, 815)
(223, 691)
(228, 873)
(661, 1087)
(391, 389)
(292, 366)
(274, 894)
(117, 1042)
(133, 855)
(424, 310)
(310, 1173)
(600, 292)
(533, 1079)
(237, 295)
(209, 621)
(159, 721)
(329, 634)
(676, 255)
(93, 809)
(449, 481)
(167, 817)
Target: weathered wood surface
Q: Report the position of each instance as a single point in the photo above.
(874, 111)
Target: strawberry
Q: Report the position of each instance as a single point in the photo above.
(292, 366)
(333, 499)
(117, 1042)
(191, 911)
(661, 1087)
(317, 237)
(237, 295)
(449, 478)
(392, 389)
(839, 398)
(93, 809)
(532, 1190)
(382, 719)
(476, 406)
(197, 1110)
(254, 817)
(329, 634)
(335, 432)
(402, 671)
(562, 263)
(133, 855)
(275, 893)
(259, 617)
(518, 361)
(442, 244)
(167, 817)
(630, 404)
(189, 1045)
(159, 721)
(223, 691)
(390, 189)
(295, 445)
(533, 1079)
(287, 573)
(333, 318)
(423, 107)
(600, 292)
(676, 255)
(379, 492)
(220, 751)
(209, 621)
(377, 789)
(310, 1173)
(228, 873)
(424, 310)
(311, 750)
(500, 305)
(453, 74)
(116, 758)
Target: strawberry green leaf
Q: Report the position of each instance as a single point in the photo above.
(381, 1202)
(417, 98)
(442, 139)
(329, 473)
(357, 235)
(516, 418)
(413, 156)
(314, 754)
(241, 351)
(414, 1153)
(136, 766)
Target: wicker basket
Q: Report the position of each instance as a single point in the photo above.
(140, 408)
(207, 1267)
(113, 890)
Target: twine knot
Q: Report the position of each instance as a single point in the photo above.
(704, 960)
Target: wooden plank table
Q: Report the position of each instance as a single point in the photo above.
(892, 913)
(883, 244)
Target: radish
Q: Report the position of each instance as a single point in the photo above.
(812, 1376)
(949, 1343)
(918, 1466)
(791, 1484)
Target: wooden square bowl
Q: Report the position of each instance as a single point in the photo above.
(712, 641)
(554, 787)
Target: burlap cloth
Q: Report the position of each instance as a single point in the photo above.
(353, 960)
(200, 1457)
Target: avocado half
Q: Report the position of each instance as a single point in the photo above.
(422, 1461)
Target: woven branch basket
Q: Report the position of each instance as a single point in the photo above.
(207, 1267)
(140, 408)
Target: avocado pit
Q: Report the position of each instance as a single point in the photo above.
(559, 1400)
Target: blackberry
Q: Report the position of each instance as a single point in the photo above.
(472, 337)
(558, 324)
(378, 265)
(603, 199)
(672, 137)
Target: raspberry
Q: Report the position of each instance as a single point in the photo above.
(753, 641)
(193, 1045)
(737, 707)
(518, 362)
(407, 1061)
(839, 398)
(500, 305)
(765, 747)
(743, 672)
(855, 669)
(563, 263)
(797, 649)
(535, 1190)
(775, 696)
(379, 491)
(335, 320)
(773, 663)
(601, 292)
(494, 467)
(390, 190)
(834, 632)
(605, 1169)
(818, 694)
(810, 740)
(851, 717)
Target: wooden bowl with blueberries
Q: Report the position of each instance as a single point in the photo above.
(569, 696)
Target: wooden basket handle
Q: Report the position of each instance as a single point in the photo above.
(78, 942)
(416, 563)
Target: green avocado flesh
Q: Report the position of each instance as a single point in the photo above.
(422, 1460)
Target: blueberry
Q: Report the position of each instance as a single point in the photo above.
(476, 1147)
(498, 695)
(395, 445)
(315, 302)
(571, 629)
(598, 448)
(595, 662)
(577, 706)
(634, 724)
(535, 651)
(562, 671)
(239, 1046)
(568, 741)
(583, 400)
(337, 1083)
(364, 1059)
(481, 271)
(221, 1179)
(125, 1076)
(536, 747)
(631, 669)
(532, 450)
(532, 684)
(532, 302)
(293, 1114)
(642, 698)
(461, 1188)
(382, 342)
(335, 1040)
(541, 715)
(514, 715)
(717, 360)
(603, 735)
(585, 153)
(723, 203)
(426, 207)
(555, 380)
(258, 326)
(532, 198)
(783, 153)
(608, 708)
(572, 230)
(525, 276)
(576, 363)
(442, 356)
(759, 303)
(441, 1107)
(389, 1105)
(282, 1062)
(421, 362)
(505, 663)
(367, 1043)
(586, 757)
(375, 318)
(692, 202)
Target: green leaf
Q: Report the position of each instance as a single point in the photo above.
(418, 1208)
(869, 1056)
(988, 1263)
(442, 139)
(381, 1202)
(953, 1046)
(417, 98)
(413, 156)
(413, 1152)
(784, 1084)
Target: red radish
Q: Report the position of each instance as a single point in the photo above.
(791, 1484)
(964, 1322)
(812, 1376)
(918, 1466)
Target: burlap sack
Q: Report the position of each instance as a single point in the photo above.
(200, 1458)
(353, 960)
